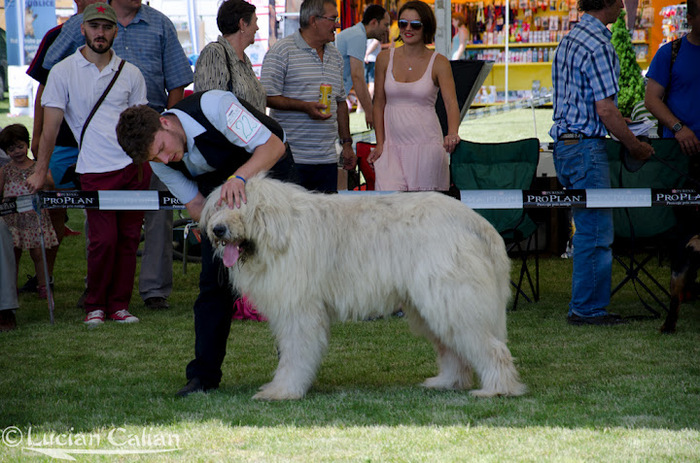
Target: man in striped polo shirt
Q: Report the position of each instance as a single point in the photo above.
(293, 71)
(585, 76)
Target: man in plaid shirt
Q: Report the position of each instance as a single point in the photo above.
(585, 76)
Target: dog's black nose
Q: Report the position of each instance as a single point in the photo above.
(220, 230)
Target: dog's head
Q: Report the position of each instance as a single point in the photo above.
(261, 224)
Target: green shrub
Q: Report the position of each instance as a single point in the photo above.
(631, 80)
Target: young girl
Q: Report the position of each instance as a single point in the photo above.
(14, 140)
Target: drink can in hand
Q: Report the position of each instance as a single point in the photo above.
(324, 97)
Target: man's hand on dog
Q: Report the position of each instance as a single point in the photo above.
(233, 192)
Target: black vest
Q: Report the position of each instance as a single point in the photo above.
(217, 150)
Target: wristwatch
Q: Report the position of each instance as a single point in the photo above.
(343, 141)
(677, 127)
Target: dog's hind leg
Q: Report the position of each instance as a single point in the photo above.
(455, 373)
(683, 275)
(494, 365)
(678, 281)
(302, 339)
(487, 355)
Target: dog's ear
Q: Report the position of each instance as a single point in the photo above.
(271, 224)
(209, 208)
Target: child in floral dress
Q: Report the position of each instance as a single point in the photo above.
(24, 226)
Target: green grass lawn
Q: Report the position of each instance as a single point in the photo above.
(621, 393)
(509, 126)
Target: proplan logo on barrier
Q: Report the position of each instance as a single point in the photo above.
(676, 197)
(168, 201)
(63, 446)
(554, 198)
(8, 206)
(69, 199)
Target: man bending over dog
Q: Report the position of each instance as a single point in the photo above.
(206, 140)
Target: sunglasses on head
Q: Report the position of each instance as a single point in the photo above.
(415, 25)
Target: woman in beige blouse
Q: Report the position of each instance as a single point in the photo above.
(223, 65)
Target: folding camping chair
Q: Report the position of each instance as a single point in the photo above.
(643, 235)
(498, 166)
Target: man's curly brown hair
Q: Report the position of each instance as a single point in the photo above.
(594, 5)
(136, 131)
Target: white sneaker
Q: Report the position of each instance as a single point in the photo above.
(94, 318)
(123, 316)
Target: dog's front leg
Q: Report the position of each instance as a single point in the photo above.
(302, 340)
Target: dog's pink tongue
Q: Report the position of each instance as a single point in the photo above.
(230, 254)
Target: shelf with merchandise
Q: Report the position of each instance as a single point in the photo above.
(512, 45)
(675, 22)
(535, 29)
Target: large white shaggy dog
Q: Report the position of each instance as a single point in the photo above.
(308, 259)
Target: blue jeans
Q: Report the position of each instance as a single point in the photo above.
(584, 165)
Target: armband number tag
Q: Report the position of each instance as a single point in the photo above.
(243, 124)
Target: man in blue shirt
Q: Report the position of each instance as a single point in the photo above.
(680, 83)
(585, 76)
(352, 45)
(147, 39)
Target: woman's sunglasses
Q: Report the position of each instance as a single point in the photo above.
(415, 25)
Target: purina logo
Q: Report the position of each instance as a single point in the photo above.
(63, 446)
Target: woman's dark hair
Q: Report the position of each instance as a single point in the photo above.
(231, 12)
(12, 134)
(427, 17)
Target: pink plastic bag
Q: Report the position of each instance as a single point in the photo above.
(243, 309)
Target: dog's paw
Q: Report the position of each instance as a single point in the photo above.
(270, 391)
(445, 384)
(516, 390)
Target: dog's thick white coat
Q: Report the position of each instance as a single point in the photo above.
(318, 258)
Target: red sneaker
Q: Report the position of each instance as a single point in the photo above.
(123, 316)
(70, 232)
(94, 318)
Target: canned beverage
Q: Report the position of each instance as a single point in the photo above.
(324, 96)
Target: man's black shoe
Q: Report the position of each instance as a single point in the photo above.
(192, 386)
(603, 320)
(157, 303)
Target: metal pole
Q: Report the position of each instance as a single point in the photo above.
(443, 16)
(49, 293)
(507, 38)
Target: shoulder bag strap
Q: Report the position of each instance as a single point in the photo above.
(675, 48)
(99, 102)
(229, 84)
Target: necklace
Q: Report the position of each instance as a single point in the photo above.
(410, 65)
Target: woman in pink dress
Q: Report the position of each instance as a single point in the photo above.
(411, 153)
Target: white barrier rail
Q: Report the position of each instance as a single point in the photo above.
(146, 200)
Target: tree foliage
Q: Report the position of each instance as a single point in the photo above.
(631, 80)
